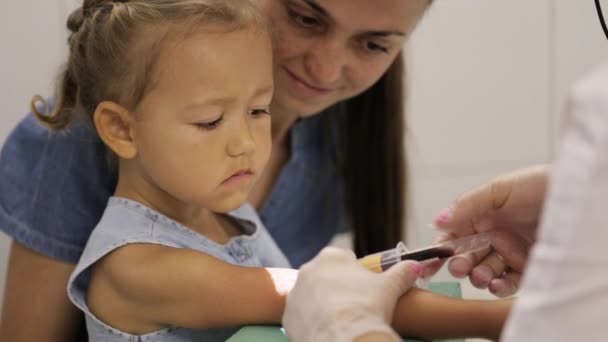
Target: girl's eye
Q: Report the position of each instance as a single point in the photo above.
(259, 111)
(374, 47)
(302, 20)
(209, 125)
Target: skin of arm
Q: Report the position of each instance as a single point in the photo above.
(432, 316)
(375, 337)
(141, 288)
(28, 303)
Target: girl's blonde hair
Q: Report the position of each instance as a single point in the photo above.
(115, 45)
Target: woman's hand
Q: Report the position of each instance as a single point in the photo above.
(510, 206)
(336, 299)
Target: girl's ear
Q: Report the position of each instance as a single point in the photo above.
(114, 126)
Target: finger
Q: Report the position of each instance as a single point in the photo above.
(335, 253)
(461, 266)
(444, 236)
(513, 248)
(465, 210)
(506, 285)
(491, 267)
(403, 275)
(328, 258)
(432, 267)
(469, 208)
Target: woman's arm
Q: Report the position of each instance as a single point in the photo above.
(432, 316)
(143, 287)
(35, 295)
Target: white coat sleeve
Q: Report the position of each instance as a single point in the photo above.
(564, 293)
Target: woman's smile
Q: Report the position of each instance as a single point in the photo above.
(306, 89)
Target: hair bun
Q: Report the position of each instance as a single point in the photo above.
(79, 15)
(88, 8)
(75, 20)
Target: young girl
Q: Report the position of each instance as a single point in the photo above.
(179, 90)
(179, 93)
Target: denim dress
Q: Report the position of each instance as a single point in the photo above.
(125, 222)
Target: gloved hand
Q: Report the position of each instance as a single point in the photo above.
(510, 206)
(336, 299)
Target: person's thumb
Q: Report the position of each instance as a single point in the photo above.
(465, 209)
(403, 275)
(472, 207)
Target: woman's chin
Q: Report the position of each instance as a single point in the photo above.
(304, 109)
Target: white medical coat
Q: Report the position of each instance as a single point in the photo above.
(564, 293)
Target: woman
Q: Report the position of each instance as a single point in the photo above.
(334, 58)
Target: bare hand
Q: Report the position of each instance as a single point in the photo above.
(510, 207)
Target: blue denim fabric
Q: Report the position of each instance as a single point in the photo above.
(306, 206)
(54, 188)
(125, 222)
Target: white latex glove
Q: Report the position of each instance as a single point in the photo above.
(336, 299)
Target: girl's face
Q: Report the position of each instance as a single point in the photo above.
(203, 131)
(330, 50)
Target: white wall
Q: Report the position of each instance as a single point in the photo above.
(487, 81)
(579, 45)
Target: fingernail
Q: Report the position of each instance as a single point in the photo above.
(459, 267)
(497, 290)
(417, 269)
(481, 277)
(444, 216)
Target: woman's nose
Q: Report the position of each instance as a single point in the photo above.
(325, 62)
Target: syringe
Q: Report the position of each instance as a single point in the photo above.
(382, 261)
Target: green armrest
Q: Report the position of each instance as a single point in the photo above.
(260, 333)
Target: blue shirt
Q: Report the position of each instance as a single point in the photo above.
(126, 222)
(54, 188)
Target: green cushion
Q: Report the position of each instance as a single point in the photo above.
(258, 333)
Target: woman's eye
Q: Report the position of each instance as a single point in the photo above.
(209, 125)
(374, 47)
(302, 20)
(259, 111)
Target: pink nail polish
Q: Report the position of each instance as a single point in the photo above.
(444, 216)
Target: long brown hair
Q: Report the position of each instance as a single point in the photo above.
(114, 47)
(373, 162)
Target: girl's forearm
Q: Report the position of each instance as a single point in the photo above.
(375, 337)
(431, 316)
(264, 294)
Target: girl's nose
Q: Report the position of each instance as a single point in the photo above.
(241, 142)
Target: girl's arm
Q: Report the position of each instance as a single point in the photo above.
(432, 316)
(143, 287)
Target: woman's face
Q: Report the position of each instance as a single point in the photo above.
(330, 50)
